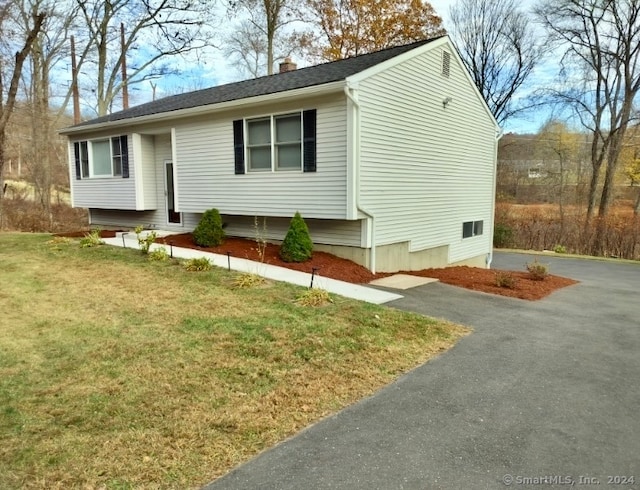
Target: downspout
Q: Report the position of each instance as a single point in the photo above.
(499, 134)
(353, 97)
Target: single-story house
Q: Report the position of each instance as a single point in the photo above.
(390, 157)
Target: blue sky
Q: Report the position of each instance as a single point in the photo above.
(213, 69)
(544, 75)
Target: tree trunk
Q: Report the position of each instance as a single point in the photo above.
(591, 199)
(561, 199)
(613, 155)
(636, 208)
(2, 143)
(7, 109)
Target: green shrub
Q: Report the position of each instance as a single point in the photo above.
(209, 232)
(537, 271)
(91, 239)
(159, 254)
(502, 236)
(200, 264)
(505, 279)
(297, 245)
(146, 241)
(560, 249)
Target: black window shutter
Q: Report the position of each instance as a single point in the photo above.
(309, 140)
(124, 150)
(76, 152)
(238, 145)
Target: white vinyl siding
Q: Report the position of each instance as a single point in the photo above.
(325, 232)
(137, 192)
(206, 178)
(152, 199)
(148, 219)
(108, 192)
(426, 168)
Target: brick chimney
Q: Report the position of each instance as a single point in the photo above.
(287, 65)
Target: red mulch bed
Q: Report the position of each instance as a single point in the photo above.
(485, 280)
(328, 265)
(345, 270)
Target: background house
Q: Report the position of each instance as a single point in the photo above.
(390, 157)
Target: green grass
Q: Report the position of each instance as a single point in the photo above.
(118, 372)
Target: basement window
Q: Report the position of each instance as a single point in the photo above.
(472, 228)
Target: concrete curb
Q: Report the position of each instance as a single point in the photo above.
(276, 273)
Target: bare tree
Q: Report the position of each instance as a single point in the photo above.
(50, 47)
(247, 49)
(499, 47)
(156, 30)
(259, 40)
(601, 42)
(14, 70)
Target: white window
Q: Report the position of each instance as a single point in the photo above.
(83, 150)
(100, 163)
(274, 143)
(116, 156)
(102, 158)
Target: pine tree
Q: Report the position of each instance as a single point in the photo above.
(209, 232)
(297, 245)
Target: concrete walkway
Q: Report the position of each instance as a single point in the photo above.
(545, 391)
(273, 272)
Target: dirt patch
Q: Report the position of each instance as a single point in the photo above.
(328, 265)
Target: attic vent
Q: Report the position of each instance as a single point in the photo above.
(446, 63)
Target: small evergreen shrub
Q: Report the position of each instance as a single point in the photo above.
(209, 232)
(537, 271)
(198, 265)
(502, 236)
(297, 245)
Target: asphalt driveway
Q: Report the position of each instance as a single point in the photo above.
(541, 392)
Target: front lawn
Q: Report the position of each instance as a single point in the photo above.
(118, 372)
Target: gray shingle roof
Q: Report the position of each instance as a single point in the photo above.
(271, 84)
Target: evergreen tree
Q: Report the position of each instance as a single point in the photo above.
(297, 245)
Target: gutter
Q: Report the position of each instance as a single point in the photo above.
(171, 116)
(352, 95)
(499, 135)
